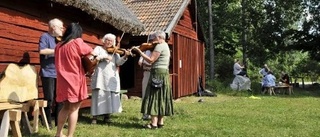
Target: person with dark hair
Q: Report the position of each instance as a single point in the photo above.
(285, 78)
(71, 80)
(157, 100)
(47, 44)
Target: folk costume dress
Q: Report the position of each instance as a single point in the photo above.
(159, 101)
(105, 84)
(71, 80)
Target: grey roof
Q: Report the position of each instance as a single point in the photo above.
(113, 12)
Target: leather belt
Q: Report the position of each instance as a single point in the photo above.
(145, 68)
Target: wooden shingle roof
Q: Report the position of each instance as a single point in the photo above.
(158, 14)
(113, 12)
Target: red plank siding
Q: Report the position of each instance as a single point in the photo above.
(22, 23)
(187, 49)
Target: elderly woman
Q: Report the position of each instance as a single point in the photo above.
(105, 81)
(157, 101)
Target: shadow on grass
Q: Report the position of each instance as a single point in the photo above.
(38, 135)
(133, 122)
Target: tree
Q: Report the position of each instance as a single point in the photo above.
(273, 29)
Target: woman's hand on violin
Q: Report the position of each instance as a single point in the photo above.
(104, 56)
(127, 52)
(137, 49)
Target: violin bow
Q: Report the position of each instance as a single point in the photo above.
(148, 38)
(118, 44)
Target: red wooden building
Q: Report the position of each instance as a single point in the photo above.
(178, 18)
(23, 21)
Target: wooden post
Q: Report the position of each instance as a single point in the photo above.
(38, 108)
(35, 122)
(25, 109)
(15, 117)
(5, 124)
(42, 105)
(11, 118)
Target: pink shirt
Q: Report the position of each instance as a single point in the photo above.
(71, 80)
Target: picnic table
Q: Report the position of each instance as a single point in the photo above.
(284, 89)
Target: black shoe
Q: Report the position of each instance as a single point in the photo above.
(160, 125)
(146, 117)
(107, 119)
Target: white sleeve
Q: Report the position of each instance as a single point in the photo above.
(140, 59)
(260, 71)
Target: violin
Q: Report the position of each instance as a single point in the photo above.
(120, 51)
(58, 39)
(146, 46)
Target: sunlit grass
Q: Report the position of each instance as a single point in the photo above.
(226, 115)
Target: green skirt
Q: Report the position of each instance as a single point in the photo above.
(158, 101)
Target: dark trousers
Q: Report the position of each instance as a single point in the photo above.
(242, 73)
(49, 92)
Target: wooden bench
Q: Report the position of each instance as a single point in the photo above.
(284, 88)
(11, 116)
(38, 108)
(270, 90)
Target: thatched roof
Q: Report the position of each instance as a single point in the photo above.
(113, 12)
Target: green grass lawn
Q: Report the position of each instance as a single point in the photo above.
(232, 115)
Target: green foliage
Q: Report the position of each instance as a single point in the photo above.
(276, 33)
(309, 68)
(219, 87)
(223, 67)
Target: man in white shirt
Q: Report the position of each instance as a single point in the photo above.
(264, 71)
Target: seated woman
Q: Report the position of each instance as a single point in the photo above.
(285, 78)
(239, 69)
(268, 81)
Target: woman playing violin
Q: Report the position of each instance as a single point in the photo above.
(157, 100)
(105, 81)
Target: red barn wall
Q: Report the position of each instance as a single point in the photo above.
(22, 23)
(188, 60)
(185, 48)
